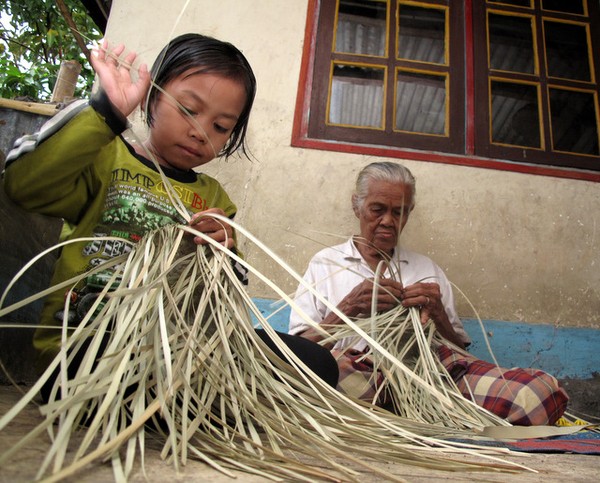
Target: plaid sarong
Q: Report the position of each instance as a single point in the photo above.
(522, 396)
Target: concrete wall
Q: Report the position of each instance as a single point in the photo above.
(521, 247)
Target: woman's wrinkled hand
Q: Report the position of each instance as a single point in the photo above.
(427, 297)
(360, 299)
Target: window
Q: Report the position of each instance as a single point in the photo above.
(508, 84)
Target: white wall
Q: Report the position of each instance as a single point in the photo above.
(521, 247)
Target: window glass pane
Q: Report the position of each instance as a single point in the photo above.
(517, 3)
(570, 6)
(361, 27)
(422, 34)
(515, 114)
(511, 43)
(356, 96)
(567, 51)
(574, 123)
(420, 103)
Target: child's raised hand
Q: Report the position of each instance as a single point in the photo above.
(115, 75)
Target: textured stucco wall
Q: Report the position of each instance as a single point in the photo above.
(521, 247)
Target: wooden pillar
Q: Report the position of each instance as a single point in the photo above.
(66, 81)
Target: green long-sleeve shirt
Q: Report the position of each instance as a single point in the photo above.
(79, 168)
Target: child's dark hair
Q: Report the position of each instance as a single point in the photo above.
(205, 55)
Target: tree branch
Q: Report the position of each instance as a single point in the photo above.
(69, 19)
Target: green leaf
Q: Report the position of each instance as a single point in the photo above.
(36, 40)
(52, 37)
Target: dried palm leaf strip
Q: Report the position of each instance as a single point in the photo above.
(172, 354)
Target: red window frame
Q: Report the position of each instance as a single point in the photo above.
(301, 138)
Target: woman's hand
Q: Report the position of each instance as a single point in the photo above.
(116, 79)
(359, 301)
(216, 229)
(428, 298)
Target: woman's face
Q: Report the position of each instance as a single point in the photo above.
(194, 119)
(384, 213)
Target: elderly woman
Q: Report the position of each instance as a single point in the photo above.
(344, 274)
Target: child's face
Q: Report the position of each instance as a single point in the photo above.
(183, 142)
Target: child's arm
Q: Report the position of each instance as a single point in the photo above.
(52, 171)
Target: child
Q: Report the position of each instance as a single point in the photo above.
(79, 168)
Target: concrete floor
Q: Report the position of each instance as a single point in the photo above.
(549, 467)
(23, 467)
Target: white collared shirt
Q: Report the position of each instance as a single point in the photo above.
(336, 270)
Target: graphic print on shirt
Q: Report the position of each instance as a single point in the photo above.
(135, 204)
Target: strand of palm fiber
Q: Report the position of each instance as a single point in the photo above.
(401, 333)
(177, 352)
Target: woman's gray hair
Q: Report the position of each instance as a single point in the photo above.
(384, 171)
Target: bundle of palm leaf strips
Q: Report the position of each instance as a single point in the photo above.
(172, 353)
